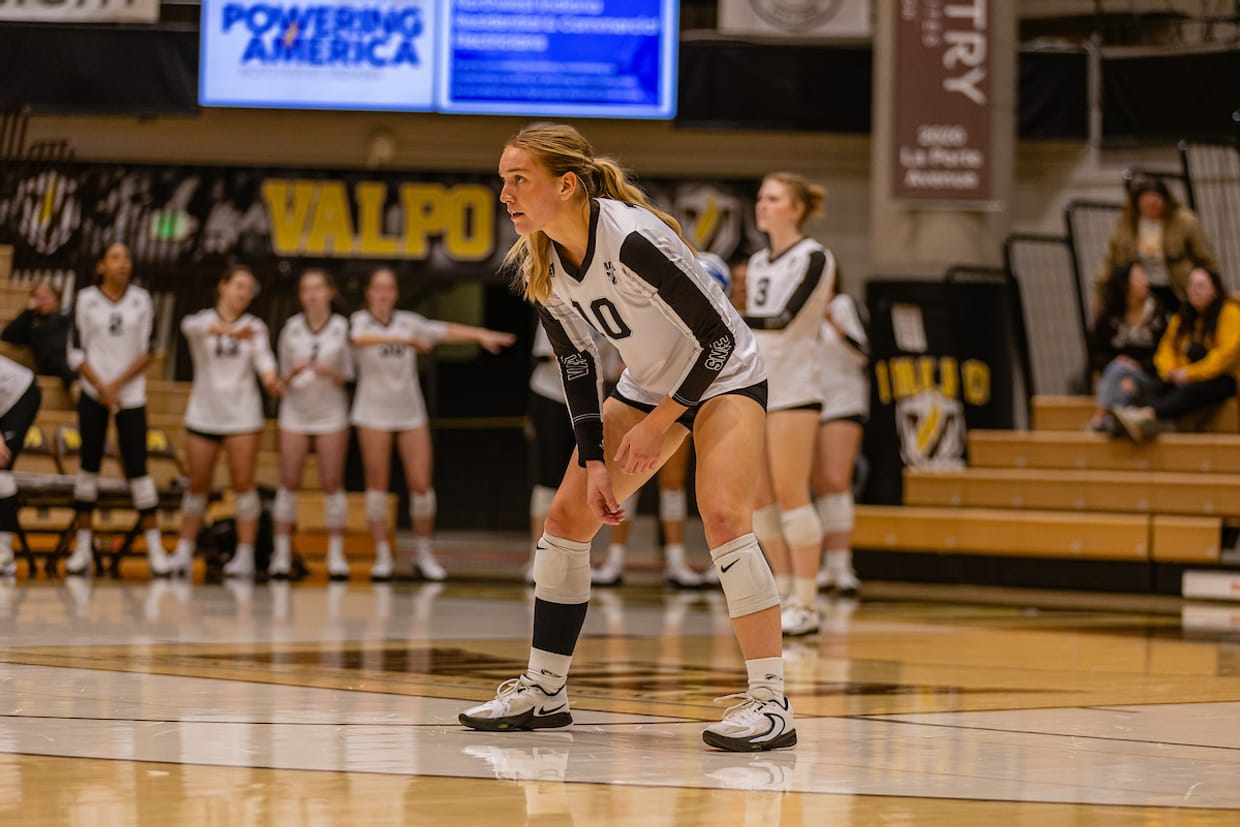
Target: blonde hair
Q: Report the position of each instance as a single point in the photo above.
(810, 196)
(561, 149)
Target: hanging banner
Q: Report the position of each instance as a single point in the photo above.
(943, 105)
(81, 11)
(796, 18)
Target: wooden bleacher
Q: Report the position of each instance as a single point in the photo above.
(1059, 492)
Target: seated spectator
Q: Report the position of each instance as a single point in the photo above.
(1123, 343)
(44, 327)
(1161, 234)
(1196, 358)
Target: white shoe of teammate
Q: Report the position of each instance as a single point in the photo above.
(761, 721)
(181, 561)
(280, 564)
(241, 564)
(337, 566)
(81, 562)
(797, 619)
(681, 577)
(608, 574)
(381, 570)
(425, 564)
(520, 703)
(8, 564)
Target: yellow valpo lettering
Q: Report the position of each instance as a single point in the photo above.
(331, 220)
(470, 234)
(371, 240)
(288, 204)
(976, 382)
(423, 205)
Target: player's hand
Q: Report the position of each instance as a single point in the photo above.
(420, 345)
(599, 495)
(273, 386)
(244, 333)
(5, 455)
(298, 367)
(640, 448)
(109, 397)
(493, 341)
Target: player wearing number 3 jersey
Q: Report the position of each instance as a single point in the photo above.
(593, 253)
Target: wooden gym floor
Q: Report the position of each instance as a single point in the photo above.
(132, 702)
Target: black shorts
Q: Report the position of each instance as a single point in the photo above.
(756, 392)
(130, 436)
(216, 438)
(554, 442)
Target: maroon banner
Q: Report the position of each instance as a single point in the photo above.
(942, 101)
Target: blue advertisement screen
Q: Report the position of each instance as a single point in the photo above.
(540, 58)
(601, 58)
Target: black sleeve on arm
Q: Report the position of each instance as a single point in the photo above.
(809, 281)
(18, 331)
(686, 299)
(580, 374)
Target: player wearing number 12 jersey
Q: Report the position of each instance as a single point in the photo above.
(594, 253)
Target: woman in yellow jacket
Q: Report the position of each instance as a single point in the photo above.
(1196, 359)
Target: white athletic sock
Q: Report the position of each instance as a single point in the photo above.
(549, 670)
(615, 555)
(783, 584)
(805, 589)
(245, 551)
(154, 542)
(839, 560)
(335, 545)
(185, 548)
(423, 546)
(766, 673)
(83, 538)
(383, 550)
(674, 554)
(283, 546)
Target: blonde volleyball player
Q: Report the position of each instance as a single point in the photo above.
(388, 407)
(112, 343)
(229, 348)
(787, 288)
(845, 409)
(593, 253)
(316, 360)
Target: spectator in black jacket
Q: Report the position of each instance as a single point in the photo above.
(1123, 344)
(44, 327)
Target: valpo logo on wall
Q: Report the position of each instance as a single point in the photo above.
(355, 55)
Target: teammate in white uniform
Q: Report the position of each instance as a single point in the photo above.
(19, 404)
(113, 325)
(593, 253)
(388, 406)
(787, 287)
(316, 361)
(845, 409)
(228, 347)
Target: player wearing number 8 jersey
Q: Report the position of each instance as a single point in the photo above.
(594, 253)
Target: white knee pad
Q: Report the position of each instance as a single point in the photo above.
(836, 512)
(766, 524)
(541, 498)
(8, 485)
(142, 490)
(86, 487)
(748, 584)
(376, 506)
(673, 505)
(335, 509)
(248, 506)
(422, 506)
(801, 526)
(561, 570)
(284, 509)
(193, 505)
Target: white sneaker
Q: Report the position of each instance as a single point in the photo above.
(425, 564)
(181, 561)
(710, 577)
(845, 583)
(761, 721)
(682, 577)
(608, 574)
(241, 565)
(8, 563)
(381, 570)
(159, 562)
(81, 562)
(338, 567)
(520, 703)
(797, 620)
(280, 564)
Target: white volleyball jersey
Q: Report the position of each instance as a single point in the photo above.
(110, 336)
(313, 403)
(388, 395)
(785, 301)
(642, 288)
(225, 397)
(15, 380)
(845, 377)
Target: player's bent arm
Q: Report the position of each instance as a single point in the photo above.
(492, 340)
(578, 358)
(373, 339)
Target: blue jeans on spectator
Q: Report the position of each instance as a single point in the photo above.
(1110, 387)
